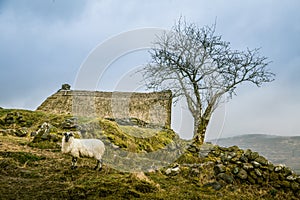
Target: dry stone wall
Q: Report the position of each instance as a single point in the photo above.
(154, 108)
(233, 164)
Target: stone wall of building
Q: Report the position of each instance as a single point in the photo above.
(154, 108)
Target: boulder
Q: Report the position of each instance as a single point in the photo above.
(256, 164)
(253, 156)
(215, 185)
(219, 168)
(247, 166)
(228, 178)
(262, 160)
(173, 170)
(9, 119)
(21, 132)
(43, 134)
(235, 170)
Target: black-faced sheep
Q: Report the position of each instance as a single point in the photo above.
(93, 148)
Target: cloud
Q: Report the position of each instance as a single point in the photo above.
(43, 44)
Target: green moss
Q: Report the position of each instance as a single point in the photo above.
(136, 139)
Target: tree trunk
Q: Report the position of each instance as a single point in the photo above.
(199, 131)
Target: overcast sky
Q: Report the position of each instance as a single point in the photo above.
(44, 43)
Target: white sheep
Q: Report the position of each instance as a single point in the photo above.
(93, 148)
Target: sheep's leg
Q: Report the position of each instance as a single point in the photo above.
(99, 165)
(74, 162)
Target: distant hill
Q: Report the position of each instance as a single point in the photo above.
(277, 149)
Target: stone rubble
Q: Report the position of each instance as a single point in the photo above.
(236, 165)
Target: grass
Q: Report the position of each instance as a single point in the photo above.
(40, 171)
(31, 173)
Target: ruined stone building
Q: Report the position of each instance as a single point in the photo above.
(154, 108)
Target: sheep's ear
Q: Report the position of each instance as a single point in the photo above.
(71, 134)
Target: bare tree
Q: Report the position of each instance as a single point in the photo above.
(198, 65)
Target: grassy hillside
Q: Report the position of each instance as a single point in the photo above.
(130, 138)
(38, 170)
(32, 173)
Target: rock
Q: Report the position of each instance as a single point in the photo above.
(194, 172)
(231, 163)
(255, 164)
(3, 132)
(225, 177)
(22, 132)
(251, 180)
(232, 155)
(248, 153)
(247, 166)
(235, 170)
(9, 119)
(173, 170)
(219, 168)
(54, 138)
(271, 167)
(216, 151)
(70, 124)
(32, 134)
(266, 175)
(262, 160)
(205, 149)
(215, 185)
(227, 157)
(45, 136)
(253, 174)
(239, 163)
(278, 168)
(193, 149)
(242, 174)
(253, 156)
(295, 186)
(19, 118)
(168, 171)
(223, 157)
(114, 146)
(233, 149)
(43, 133)
(258, 172)
(291, 178)
(287, 171)
(244, 159)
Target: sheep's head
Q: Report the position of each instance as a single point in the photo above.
(67, 136)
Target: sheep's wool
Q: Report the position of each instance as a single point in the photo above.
(84, 147)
